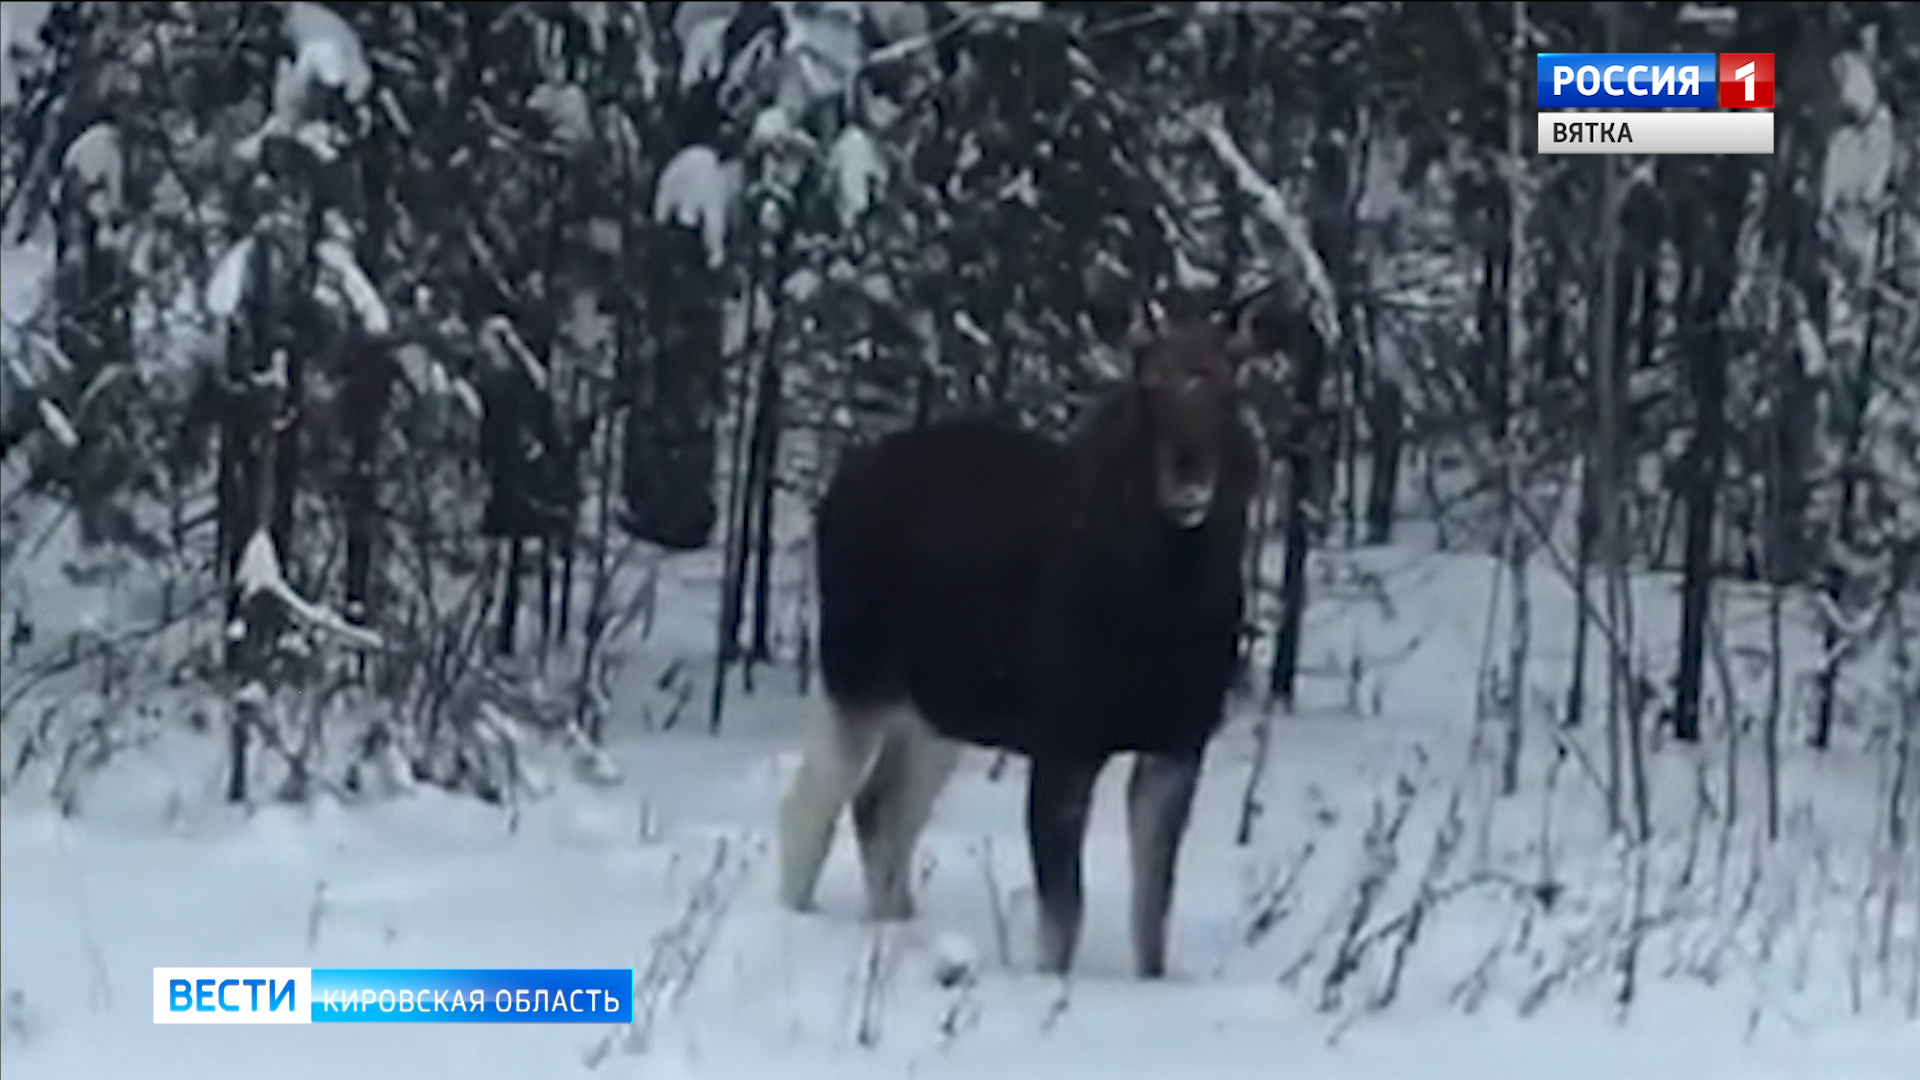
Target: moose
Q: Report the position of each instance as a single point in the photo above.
(1066, 601)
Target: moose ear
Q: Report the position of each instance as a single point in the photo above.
(1149, 319)
(1143, 329)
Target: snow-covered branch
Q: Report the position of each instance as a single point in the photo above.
(58, 425)
(260, 573)
(361, 294)
(1008, 10)
(1272, 207)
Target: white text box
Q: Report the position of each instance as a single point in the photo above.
(1742, 132)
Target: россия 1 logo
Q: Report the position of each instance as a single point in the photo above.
(1654, 103)
(1746, 81)
(1626, 80)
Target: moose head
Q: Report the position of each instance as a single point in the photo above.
(1188, 366)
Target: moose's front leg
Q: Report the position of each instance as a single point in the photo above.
(1059, 796)
(1159, 799)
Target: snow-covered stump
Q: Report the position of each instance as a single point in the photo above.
(262, 642)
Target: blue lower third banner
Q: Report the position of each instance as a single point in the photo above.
(244, 995)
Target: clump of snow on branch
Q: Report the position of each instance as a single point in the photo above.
(430, 378)
(859, 170)
(323, 140)
(1018, 10)
(260, 573)
(227, 288)
(20, 43)
(228, 285)
(464, 392)
(1010, 10)
(964, 322)
(823, 49)
(361, 294)
(25, 283)
(703, 46)
(773, 127)
(565, 107)
(275, 377)
(1813, 348)
(58, 425)
(1858, 171)
(327, 51)
(695, 190)
(1190, 275)
(93, 159)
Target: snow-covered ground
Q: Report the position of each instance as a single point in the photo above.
(1754, 963)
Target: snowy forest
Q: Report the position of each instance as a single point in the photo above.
(413, 416)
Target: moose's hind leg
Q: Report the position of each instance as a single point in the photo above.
(1159, 802)
(893, 806)
(837, 755)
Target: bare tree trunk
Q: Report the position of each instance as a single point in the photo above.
(1730, 714)
(741, 466)
(1907, 741)
(243, 458)
(767, 455)
(290, 420)
(286, 458)
(1856, 393)
(1643, 271)
(1583, 562)
(611, 439)
(368, 377)
(1776, 595)
(1707, 375)
(1331, 226)
(363, 421)
(743, 524)
(595, 623)
(1626, 693)
(545, 343)
(1388, 428)
(1349, 434)
(248, 469)
(1253, 572)
(1606, 378)
(726, 643)
(579, 432)
(546, 595)
(566, 587)
(1518, 553)
(1293, 573)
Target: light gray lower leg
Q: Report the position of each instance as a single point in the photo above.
(837, 755)
(1159, 802)
(892, 809)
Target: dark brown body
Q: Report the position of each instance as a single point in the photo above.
(1026, 595)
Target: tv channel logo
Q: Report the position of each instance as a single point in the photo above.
(1746, 80)
(247, 995)
(1627, 80)
(232, 995)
